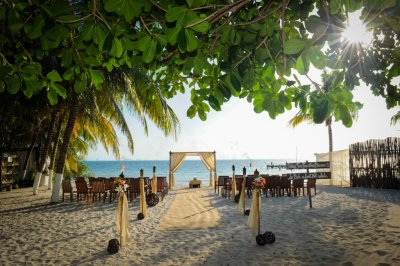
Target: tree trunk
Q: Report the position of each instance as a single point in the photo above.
(30, 150)
(55, 197)
(54, 152)
(329, 125)
(40, 166)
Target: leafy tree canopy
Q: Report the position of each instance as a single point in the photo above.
(245, 48)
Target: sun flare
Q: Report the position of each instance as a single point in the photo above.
(356, 32)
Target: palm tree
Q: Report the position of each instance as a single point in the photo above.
(337, 98)
(97, 112)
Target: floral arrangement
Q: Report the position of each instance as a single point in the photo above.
(120, 185)
(259, 182)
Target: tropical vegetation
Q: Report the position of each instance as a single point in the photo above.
(83, 60)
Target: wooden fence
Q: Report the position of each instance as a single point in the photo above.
(375, 164)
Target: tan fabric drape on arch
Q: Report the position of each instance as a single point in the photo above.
(122, 219)
(177, 158)
(176, 161)
(209, 162)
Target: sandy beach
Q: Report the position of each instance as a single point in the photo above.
(346, 226)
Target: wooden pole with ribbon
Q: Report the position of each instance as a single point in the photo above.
(233, 182)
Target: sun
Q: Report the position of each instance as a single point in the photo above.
(356, 32)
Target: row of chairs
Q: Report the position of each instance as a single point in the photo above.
(275, 186)
(101, 188)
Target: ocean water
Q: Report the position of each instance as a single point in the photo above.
(188, 170)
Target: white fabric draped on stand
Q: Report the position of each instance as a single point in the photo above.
(252, 221)
(122, 219)
(241, 208)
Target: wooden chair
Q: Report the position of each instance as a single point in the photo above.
(161, 186)
(82, 189)
(98, 189)
(311, 183)
(67, 188)
(221, 182)
(134, 188)
(109, 187)
(227, 187)
(249, 183)
(272, 185)
(239, 183)
(297, 185)
(285, 185)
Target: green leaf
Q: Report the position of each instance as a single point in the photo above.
(214, 103)
(32, 69)
(143, 43)
(127, 8)
(172, 35)
(352, 5)
(35, 31)
(52, 97)
(191, 40)
(15, 28)
(4, 71)
(2, 86)
(80, 85)
(13, 84)
(87, 32)
(173, 14)
(31, 86)
(116, 49)
(60, 90)
(191, 112)
(202, 27)
(69, 73)
(66, 59)
(149, 52)
(54, 76)
(302, 64)
(99, 35)
(314, 24)
(317, 58)
(321, 109)
(97, 76)
(345, 116)
(334, 6)
(202, 115)
(293, 46)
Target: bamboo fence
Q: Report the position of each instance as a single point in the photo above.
(375, 163)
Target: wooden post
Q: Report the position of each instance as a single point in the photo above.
(258, 208)
(308, 191)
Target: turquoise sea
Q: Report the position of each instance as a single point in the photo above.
(188, 170)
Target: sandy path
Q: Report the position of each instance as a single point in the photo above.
(347, 226)
(191, 209)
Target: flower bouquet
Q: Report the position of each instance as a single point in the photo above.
(259, 183)
(120, 185)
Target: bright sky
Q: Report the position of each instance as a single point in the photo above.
(237, 132)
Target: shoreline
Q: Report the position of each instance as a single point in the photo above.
(346, 226)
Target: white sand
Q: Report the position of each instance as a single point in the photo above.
(191, 209)
(347, 226)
